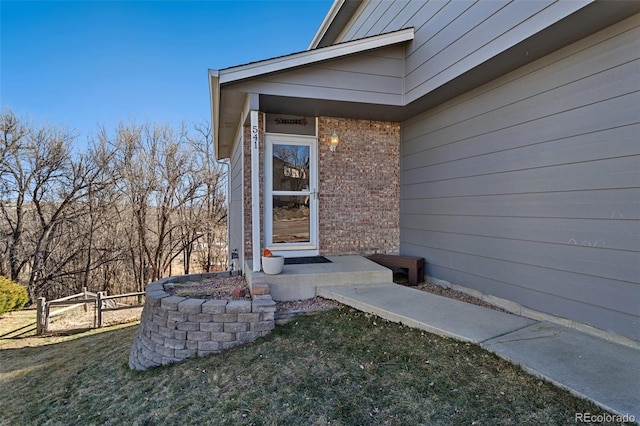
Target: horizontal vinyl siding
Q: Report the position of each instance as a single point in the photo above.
(377, 17)
(375, 77)
(528, 188)
(235, 214)
(452, 37)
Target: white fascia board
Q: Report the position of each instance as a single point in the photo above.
(326, 23)
(255, 188)
(255, 69)
(214, 99)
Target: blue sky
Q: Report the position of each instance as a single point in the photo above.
(82, 64)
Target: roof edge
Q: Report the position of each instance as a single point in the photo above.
(214, 99)
(307, 57)
(337, 18)
(326, 23)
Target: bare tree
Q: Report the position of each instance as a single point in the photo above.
(43, 190)
(14, 181)
(156, 170)
(113, 218)
(211, 211)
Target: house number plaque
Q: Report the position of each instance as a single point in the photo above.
(254, 136)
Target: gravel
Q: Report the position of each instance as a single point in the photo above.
(401, 278)
(458, 295)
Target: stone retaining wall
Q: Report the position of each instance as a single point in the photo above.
(174, 328)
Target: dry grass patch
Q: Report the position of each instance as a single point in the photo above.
(17, 324)
(340, 367)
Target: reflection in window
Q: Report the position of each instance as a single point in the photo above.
(291, 219)
(290, 168)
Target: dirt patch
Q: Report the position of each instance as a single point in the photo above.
(215, 288)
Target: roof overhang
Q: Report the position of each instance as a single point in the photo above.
(230, 87)
(268, 84)
(308, 57)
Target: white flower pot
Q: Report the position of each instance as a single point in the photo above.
(272, 265)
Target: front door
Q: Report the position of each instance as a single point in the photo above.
(291, 197)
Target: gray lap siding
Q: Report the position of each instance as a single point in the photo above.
(528, 188)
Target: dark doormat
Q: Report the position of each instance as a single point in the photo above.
(305, 260)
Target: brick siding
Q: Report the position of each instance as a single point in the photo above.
(359, 187)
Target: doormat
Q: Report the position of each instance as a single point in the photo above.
(305, 260)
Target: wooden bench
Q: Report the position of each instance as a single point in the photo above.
(415, 265)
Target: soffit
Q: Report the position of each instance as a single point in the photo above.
(229, 87)
(588, 20)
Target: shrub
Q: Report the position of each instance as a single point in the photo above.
(12, 295)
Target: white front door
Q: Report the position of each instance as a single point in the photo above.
(291, 197)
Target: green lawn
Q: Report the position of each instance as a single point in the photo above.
(340, 367)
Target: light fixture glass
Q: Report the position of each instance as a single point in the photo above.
(333, 142)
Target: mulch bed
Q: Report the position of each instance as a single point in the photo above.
(215, 288)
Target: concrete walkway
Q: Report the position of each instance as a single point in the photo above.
(601, 371)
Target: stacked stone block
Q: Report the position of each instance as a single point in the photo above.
(174, 328)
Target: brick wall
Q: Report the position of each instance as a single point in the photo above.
(359, 187)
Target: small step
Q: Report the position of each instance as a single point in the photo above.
(298, 282)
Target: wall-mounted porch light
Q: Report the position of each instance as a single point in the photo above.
(333, 142)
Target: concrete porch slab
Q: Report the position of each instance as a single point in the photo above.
(297, 282)
(427, 311)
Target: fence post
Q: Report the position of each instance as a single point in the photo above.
(47, 313)
(99, 307)
(84, 296)
(40, 304)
